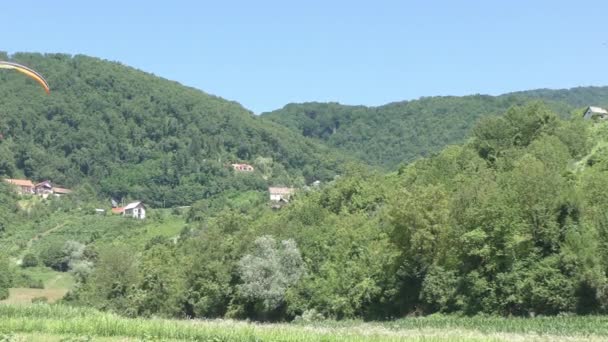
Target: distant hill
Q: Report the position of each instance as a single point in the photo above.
(399, 132)
(127, 133)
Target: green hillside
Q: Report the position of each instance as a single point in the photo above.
(511, 223)
(124, 133)
(399, 132)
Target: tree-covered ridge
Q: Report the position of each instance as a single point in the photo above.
(399, 132)
(129, 133)
(512, 223)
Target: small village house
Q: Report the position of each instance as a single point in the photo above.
(136, 210)
(595, 112)
(242, 167)
(280, 194)
(46, 188)
(43, 189)
(23, 186)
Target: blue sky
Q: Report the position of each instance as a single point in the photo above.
(265, 54)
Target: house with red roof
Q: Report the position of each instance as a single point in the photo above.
(22, 186)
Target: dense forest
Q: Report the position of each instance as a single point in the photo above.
(400, 132)
(509, 223)
(129, 134)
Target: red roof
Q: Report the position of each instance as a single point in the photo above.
(281, 190)
(20, 182)
(118, 210)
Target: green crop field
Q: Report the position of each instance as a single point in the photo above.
(42, 322)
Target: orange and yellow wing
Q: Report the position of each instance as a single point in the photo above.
(27, 71)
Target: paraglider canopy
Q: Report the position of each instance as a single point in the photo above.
(29, 72)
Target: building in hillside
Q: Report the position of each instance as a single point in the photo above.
(136, 210)
(118, 210)
(595, 112)
(23, 186)
(43, 189)
(46, 188)
(58, 192)
(242, 167)
(280, 194)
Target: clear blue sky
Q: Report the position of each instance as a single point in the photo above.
(265, 54)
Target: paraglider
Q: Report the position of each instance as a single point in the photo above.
(29, 72)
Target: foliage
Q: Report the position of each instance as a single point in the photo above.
(6, 276)
(397, 133)
(126, 134)
(29, 260)
(269, 271)
(512, 222)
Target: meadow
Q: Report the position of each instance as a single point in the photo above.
(43, 322)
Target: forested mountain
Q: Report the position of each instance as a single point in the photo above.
(127, 133)
(512, 223)
(399, 132)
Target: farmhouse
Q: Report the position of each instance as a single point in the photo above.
(278, 194)
(43, 189)
(23, 186)
(242, 167)
(595, 112)
(136, 210)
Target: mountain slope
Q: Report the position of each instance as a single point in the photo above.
(402, 131)
(131, 134)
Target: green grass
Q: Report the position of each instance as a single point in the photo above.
(49, 277)
(54, 321)
(56, 285)
(169, 226)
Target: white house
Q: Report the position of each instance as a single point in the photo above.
(278, 194)
(592, 112)
(136, 210)
(242, 167)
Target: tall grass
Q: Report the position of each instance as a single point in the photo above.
(70, 321)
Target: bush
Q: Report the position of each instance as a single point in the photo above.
(54, 257)
(25, 280)
(270, 271)
(61, 257)
(29, 260)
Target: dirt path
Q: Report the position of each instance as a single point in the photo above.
(37, 237)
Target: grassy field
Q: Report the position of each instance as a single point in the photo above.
(60, 323)
(56, 285)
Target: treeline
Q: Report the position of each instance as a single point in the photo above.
(510, 223)
(128, 134)
(400, 132)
